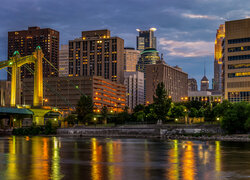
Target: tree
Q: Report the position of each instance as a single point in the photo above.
(84, 109)
(123, 116)
(104, 112)
(177, 111)
(162, 103)
(139, 107)
(193, 112)
(235, 119)
(220, 109)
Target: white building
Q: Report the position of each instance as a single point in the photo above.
(64, 61)
(134, 82)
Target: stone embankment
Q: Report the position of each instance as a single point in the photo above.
(163, 131)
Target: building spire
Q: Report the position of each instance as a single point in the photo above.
(204, 68)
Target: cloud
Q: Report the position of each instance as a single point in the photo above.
(199, 16)
(187, 48)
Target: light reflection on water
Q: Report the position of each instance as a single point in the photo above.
(117, 159)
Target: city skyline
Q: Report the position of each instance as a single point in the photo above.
(185, 30)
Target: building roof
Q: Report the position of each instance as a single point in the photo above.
(5, 110)
(149, 50)
(204, 78)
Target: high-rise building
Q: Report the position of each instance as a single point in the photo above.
(5, 91)
(134, 82)
(96, 53)
(146, 39)
(217, 81)
(192, 84)
(26, 41)
(174, 79)
(204, 83)
(236, 61)
(148, 56)
(131, 57)
(64, 61)
(65, 92)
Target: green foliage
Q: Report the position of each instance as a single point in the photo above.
(35, 130)
(84, 109)
(220, 109)
(193, 112)
(236, 118)
(177, 111)
(71, 119)
(139, 107)
(162, 103)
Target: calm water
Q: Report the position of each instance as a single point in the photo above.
(100, 158)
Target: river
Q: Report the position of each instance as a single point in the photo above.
(121, 158)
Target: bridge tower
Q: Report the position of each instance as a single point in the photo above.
(38, 78)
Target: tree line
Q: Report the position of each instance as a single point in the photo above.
(233, 117)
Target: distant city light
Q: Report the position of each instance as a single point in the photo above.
(138, 30)
(153, 29)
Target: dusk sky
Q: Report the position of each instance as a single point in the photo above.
(185, 28)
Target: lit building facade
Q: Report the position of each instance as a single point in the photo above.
(134, 82)
(202, 96)
(236, 61)
(96, 53)
(192, 84)
(5, 92)
(65, 92)
(217, 80)
(146, 39)
(174, 79)
(64, 61)
(26, 42)
(131, 57)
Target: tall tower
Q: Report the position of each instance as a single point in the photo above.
(217, 81)
(146, 39)
(204, 81)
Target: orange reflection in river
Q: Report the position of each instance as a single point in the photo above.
(96, 159)
(188, 161)
(173, 159)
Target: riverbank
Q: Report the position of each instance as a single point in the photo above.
(230, 138)
(181, 132)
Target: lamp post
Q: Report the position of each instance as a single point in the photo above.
(95, 121)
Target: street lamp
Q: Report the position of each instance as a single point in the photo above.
(95, 121)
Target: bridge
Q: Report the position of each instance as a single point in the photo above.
(37, 111)
(15, 63)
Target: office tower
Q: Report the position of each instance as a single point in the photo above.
(174, 79)
(65, 92)
(146, 39)
(64, 61)
(236, 61)
(26, 41)
(131, 57)
(204, 83)
(217, 81)
(192, 84)
(134, 82)
(148, 56)
(5, 90)
(96, 53)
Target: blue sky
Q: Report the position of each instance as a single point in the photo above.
(185, 28)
